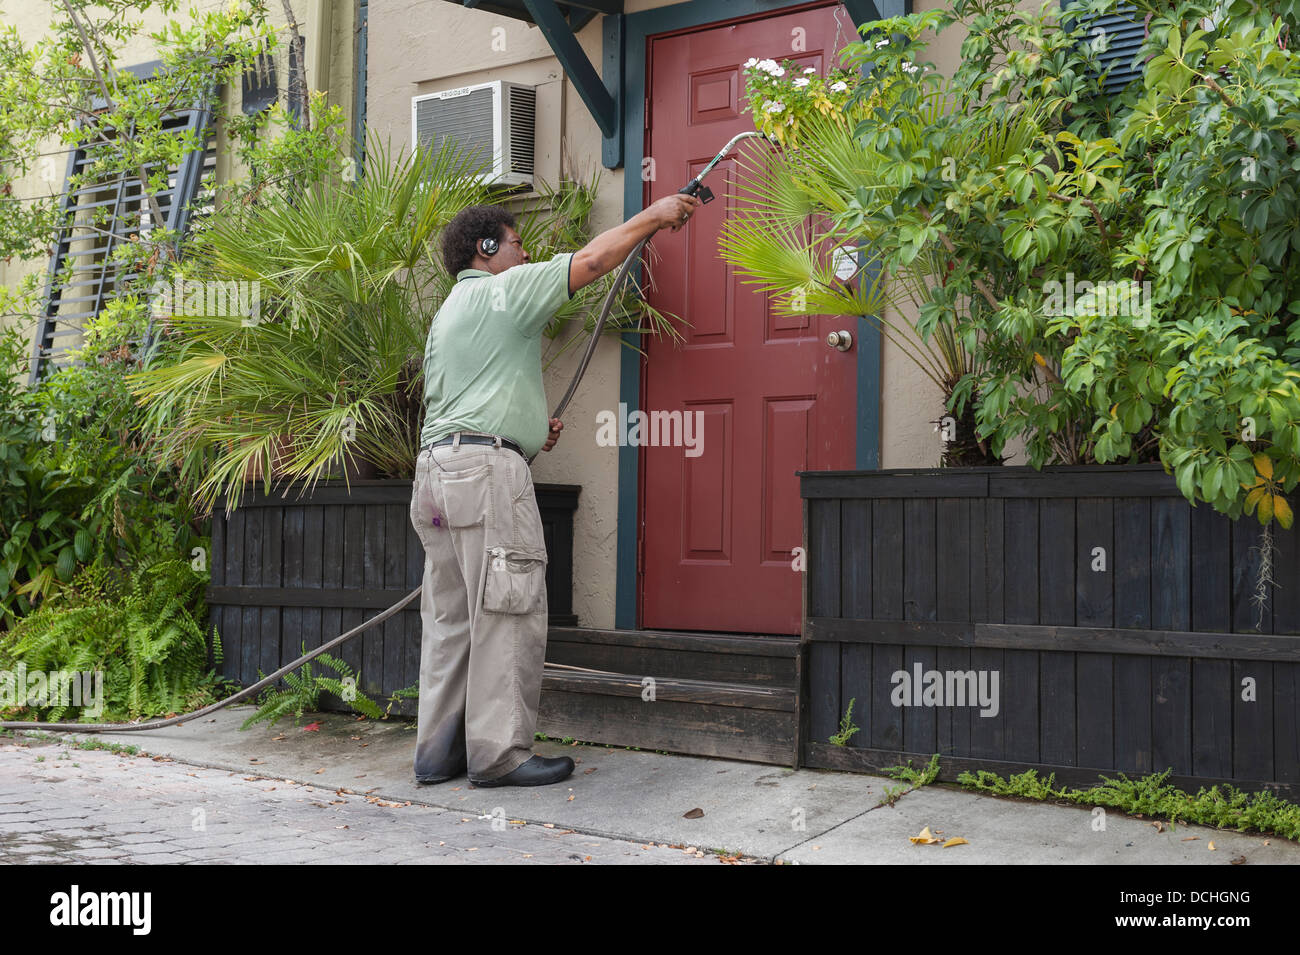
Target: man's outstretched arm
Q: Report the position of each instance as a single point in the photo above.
(606, 252)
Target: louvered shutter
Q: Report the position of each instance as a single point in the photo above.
(81, 278)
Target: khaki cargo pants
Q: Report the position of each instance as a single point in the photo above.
(483, 608)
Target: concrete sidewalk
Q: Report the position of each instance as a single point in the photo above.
(771, 813)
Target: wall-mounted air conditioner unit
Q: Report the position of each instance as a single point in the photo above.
(494, 122)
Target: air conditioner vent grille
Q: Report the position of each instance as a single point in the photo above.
(523, 120)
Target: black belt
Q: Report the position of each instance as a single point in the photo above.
(481, 439)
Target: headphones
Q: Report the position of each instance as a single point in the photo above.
(488, 246)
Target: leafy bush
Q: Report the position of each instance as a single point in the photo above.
(1121, 268)
(80, 483)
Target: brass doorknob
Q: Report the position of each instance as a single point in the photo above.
(840, 340)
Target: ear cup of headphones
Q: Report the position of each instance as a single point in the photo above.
(489, 246)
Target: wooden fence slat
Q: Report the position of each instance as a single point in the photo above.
(373, 562)
(1134, 731)
(920, 723)
(1170, 565)
(988, 733)
(1252, 743)
(254, 555)
(954, 722)
(353, 576)
(953, 556)
(1211, 570)
(855, 559)
(1211, 701)
(1286, 722)
(978, 551)
(824, 710)
(1171, 712)
(233, 618)
(216, 566)
(886, 567)
(395, 525)
(919, 560)
(313, 569)
(886, 719)
(1132, 563)
(1056, 573)
(1095, 705)
(1248, 616)
(272, 576)
(1020, 689)
(292, 638)
(1094, 589)
(856, 685)
(995, 562)
(824, 541)
(1020, 560)
(1059, 741)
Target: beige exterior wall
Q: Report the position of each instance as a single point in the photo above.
(329, 67)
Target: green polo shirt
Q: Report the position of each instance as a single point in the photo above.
(483, 356)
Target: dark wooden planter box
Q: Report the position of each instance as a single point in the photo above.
(290, 570)
(1135, 668)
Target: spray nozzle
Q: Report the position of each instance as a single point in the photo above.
(696, 186)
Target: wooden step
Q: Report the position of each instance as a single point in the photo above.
(693, 717)
(710, 657)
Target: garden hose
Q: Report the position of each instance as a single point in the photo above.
(695, 187)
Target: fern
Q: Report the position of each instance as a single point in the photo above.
(140, 629)
(303, 689)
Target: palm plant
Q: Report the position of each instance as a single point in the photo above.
(329, 372)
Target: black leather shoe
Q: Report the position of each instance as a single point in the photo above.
(537, 771)
(442, 779)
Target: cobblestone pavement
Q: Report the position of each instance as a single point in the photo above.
(60, 804)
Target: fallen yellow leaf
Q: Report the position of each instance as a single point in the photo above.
(956, 841)
(926, 838)
(1211, 846)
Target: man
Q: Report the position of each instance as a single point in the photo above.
(483, 605)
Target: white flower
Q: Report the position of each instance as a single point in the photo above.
(839, 87)
(909, 67)
(801, 81)
(811, 69)
(769, 66)
(752, 61)
(773, 106)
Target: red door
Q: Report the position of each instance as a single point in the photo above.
(720, 520)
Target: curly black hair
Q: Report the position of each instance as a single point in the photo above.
(461, 237)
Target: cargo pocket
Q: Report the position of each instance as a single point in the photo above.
(516, 580)
(466, 496)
